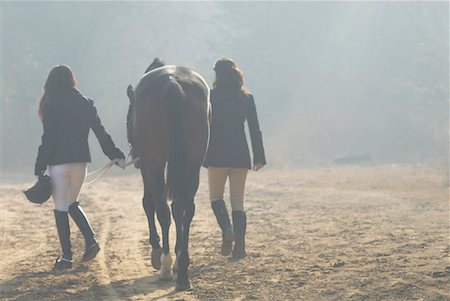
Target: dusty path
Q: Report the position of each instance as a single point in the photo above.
(328, 234)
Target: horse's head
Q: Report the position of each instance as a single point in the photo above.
(157, 62)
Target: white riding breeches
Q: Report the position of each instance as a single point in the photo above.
(67, 180)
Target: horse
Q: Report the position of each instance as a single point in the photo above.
(168, 129)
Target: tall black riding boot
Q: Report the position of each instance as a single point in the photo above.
(221, 213)
(240, 226)
(92, 246)
(62, 225)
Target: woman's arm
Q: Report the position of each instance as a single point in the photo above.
(47, 146)
(259, 158)
(106, 143)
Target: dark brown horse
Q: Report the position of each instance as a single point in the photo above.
(168, 129)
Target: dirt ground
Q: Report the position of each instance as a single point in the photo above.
(344, 233)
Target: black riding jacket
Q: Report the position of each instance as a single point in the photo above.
(228, 144)
(67, 121)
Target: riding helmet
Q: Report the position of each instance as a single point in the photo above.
(41, 191)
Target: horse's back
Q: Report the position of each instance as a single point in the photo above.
(153, 83)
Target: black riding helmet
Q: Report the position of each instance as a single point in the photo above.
(41, 191)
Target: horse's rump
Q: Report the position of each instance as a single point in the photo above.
(171, 106)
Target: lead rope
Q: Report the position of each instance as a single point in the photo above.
(103, 170)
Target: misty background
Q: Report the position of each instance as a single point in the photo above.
(330, 79)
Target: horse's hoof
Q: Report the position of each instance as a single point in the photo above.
(183, 286)
(165, 273)
(165, 277)
(156, 258)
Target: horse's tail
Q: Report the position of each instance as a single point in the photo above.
(174, 95)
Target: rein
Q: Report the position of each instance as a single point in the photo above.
(103, 170)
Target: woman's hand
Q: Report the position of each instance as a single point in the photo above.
(120, 162)
(257, 166)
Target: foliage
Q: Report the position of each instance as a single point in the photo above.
(329, 78)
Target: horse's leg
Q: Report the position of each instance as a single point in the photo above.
(188, 210)
(149, 207)
(154, 239)
(183, 282)
(163, 213)
(158, 188)
(177, 214)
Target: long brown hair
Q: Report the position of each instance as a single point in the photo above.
(59, 81)
(229, 78)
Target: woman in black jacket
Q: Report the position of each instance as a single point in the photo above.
(67, 116)
(228, 153)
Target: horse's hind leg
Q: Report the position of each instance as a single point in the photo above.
(163, 213)
(149, 207)
(188, 211)
(154, 239)
(158, 189)
(187, 207)
(177, 214)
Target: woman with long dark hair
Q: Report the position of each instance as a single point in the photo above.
(228, 153)
(67, 117)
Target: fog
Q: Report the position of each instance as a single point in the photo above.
(330, 79)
